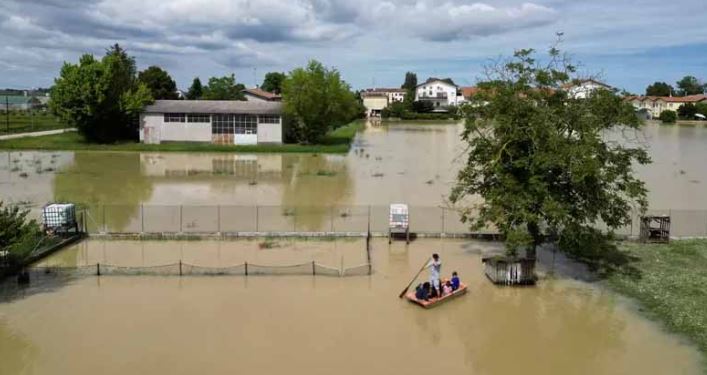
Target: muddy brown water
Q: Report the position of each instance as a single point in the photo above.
(319, 325)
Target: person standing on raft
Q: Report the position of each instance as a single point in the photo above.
(435, 266)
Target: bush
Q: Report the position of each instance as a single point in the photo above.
(668, 117)
(687, 111)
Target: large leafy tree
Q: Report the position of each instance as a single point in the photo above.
(196, 90)
(273, 82)
(659, 89)
(410, 81)
(539, 159)
(223, 88)
(102, 98)
(317, 100)
(690, 85)
(161, 85)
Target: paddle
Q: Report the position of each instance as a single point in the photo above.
(424, 265)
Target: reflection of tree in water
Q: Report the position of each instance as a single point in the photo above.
(19, 355)
(549, 329)
(313, 185)
(98, 178)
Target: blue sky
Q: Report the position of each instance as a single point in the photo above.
(372, 42)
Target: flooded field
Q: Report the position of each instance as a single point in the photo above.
(319, 325)
(411, 163)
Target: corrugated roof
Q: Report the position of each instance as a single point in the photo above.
(214, 106)
(263, 94)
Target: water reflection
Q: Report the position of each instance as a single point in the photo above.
(19, 354)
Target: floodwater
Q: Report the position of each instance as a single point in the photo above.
(317, 324)
(405, 162)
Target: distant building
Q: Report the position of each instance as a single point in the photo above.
(374, 100)
(441, 92)
(654, 105)
(214, 121)
(260, 95)
(583, 88)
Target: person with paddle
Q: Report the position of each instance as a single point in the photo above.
(435, 266)
(435, 270)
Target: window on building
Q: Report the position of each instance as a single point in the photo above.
(268, 119)
(198, 117)
(246, 124)
(223, 124)
(174, 117)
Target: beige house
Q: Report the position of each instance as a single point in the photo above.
(376, 99)
(654, 105)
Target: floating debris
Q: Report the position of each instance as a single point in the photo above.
(378, 174)
(430, 182)
(24, 175)
(253, 183)
(326, 173)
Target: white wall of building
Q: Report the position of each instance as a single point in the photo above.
(270, 133)
(435, 90)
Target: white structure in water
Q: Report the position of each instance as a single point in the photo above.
(213, 121)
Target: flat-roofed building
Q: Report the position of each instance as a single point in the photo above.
(213, 121)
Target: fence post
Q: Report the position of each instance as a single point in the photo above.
(180, 218)
(314, 272)
(142, 218)
(180, 267)
(246, 268)
(98, 269)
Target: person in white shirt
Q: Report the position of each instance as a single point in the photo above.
(435, 266)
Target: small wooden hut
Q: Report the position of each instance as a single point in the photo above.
(507, 270)
(655, 229)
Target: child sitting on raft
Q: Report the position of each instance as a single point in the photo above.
(455, 281)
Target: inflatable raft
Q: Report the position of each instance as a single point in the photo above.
(432, 302)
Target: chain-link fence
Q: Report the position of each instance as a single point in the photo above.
(188, 219)
(191, 219)
(185, 269)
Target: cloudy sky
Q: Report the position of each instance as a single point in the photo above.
(630, 43)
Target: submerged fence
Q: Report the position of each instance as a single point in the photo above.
(225, 219)
(184, 269)
(185, 219)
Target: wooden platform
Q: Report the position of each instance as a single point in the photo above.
(436, 301)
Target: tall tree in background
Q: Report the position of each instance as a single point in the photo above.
(410, 85)
(161, 85)
(317, 100)
(538, 159)
(273, 82)
(659, 89)
(195, 90)
(223, 88)
(690, 85)
(102, 98)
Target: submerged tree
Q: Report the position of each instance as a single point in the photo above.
(539, 158)
(317, 100)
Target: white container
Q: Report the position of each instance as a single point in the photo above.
(399, 217)
(59, 215)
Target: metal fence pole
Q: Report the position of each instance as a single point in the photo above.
(142, 218)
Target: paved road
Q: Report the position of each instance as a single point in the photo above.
(36, 134)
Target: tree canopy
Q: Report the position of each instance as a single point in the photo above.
(659, 89)
(195, 90)
(538, 158)
(317, 100)
(223, 88)
(102, 98)
(273, 82)
(161, 85)
(690, 85)
(410, 81)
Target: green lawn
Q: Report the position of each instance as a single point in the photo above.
(337, 141)
(672, 287)
(21, 122)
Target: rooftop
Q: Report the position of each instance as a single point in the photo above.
(214, 106)
(267, 95)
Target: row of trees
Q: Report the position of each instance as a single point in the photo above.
(103, 98)
(688, 85)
